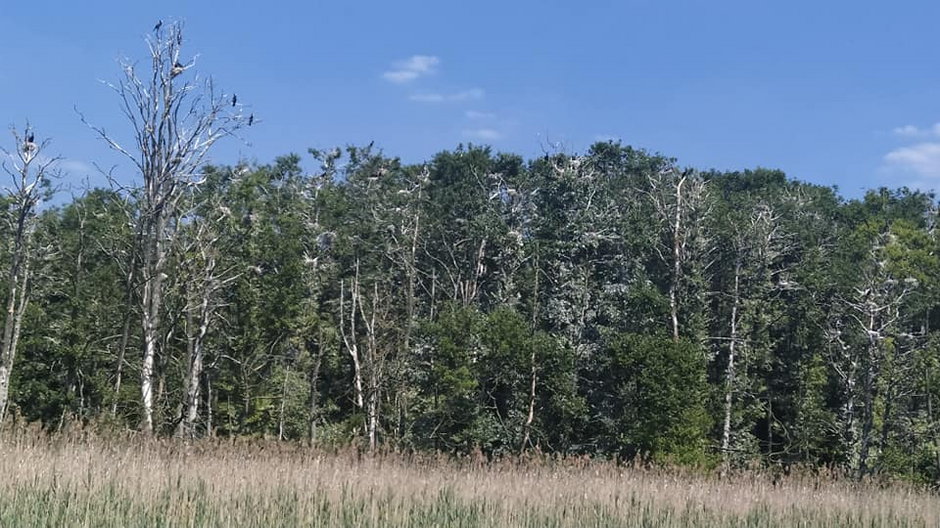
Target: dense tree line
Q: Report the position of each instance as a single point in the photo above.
(608, 303)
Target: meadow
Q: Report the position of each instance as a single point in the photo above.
(85, 480)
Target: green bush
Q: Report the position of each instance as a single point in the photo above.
(659, 394)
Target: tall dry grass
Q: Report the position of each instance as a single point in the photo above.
(84, 480)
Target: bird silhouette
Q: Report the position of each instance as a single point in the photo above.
(158, 26)
(29, 145)
(31, 138)
(234, 99)
(251, 119)
(177, 69)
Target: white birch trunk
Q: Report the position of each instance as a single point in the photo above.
(372, 360)
(16, 309)
(349, 337)
(730, 367)
(676, 262)
(194, 371)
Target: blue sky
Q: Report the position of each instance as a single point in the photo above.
(837, 93)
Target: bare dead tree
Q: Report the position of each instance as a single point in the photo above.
(533, 365)
(466, 252)
(176, 118)
(368, 357)
(402, 250)
(349, 335)
(204, 280)
(860, 336)
(758, 242)
(374, 356)
(679, 203)
(29, 173)
(876, 309)
(311, 336)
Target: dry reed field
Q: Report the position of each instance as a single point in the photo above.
(82, 480)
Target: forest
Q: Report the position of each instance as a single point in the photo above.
(609, 303)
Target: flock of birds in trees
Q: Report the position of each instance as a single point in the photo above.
(179, 68)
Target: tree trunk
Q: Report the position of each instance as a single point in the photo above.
(373, 417)
(281, 417)
(770, 423)
(314, 395)
(195, 368)
(18, 297)
(411, 272)
(869, 382)
(530, 416)
(676, 263)
(150, 316)
(125, 336)
(933, 424)
(372, 360)
(730, 368)
(850, 433)
(886, 419)
(533, 374)
(868, 418)
(350, 339)
(210, 432)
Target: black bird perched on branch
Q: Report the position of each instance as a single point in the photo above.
(158, 26)
(177, 69)
(251, 119)
(28, 144)
(234, 99)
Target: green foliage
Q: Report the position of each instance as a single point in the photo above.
(505, 306)
(812, 428)
(69, 347)
(658, 393)
(447, 383)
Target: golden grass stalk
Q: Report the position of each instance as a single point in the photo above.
(84, 480)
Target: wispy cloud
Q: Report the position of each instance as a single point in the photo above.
(922, 159)
(483, 134)
(912, 131)
(479, 116)
(466, 95)
(410, 69)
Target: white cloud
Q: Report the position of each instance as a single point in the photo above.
(922, 159)
(478, 116)
(410, 69)
(906, 131)
(483, 134)
(466, 95)
(912, 131)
